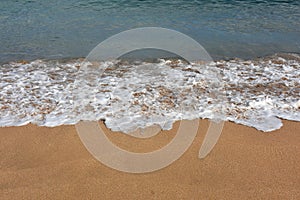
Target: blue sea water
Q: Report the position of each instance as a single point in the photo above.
(54, 36)
(31, 29)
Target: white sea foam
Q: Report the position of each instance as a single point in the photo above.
(127, 95)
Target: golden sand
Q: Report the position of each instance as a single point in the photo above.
(52, 163)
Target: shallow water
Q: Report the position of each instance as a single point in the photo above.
(131, 95)
(32, 29)
(256, 92)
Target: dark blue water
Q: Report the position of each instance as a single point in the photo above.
(31, 29)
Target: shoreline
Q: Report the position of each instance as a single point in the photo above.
(253, 93)
(52, 163)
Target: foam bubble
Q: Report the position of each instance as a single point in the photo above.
(136, 95)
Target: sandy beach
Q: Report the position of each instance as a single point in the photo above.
(146, 65)
(52, 163)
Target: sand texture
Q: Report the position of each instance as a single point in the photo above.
(52, 163)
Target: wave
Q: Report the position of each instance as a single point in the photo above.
(134, 94)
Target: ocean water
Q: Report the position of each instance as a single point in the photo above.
(131, 95)
(34, 29)
(254, 79)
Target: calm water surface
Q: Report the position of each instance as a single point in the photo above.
(71, 28)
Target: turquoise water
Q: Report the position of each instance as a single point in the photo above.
(71, 28)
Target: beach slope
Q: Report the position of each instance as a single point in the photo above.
(52, 163)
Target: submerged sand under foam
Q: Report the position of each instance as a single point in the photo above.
(135, 95)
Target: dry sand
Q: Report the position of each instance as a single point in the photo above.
(52, 163)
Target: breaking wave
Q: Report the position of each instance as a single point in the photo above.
(135, 94)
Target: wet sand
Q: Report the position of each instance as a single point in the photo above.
(52, 163)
